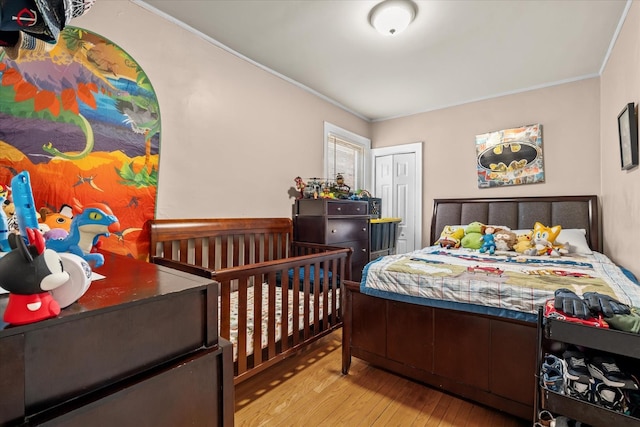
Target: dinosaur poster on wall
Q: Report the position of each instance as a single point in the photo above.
(83, 119)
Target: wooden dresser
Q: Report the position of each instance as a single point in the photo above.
(334, 222)
(141, 347)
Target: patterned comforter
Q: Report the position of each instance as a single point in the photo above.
(265, 309)
(506, 284)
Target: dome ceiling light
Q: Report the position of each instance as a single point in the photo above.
(391, 17)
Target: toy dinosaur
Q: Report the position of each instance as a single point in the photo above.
(88, 224)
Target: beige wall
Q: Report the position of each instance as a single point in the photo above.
(569, 115)
(233, 136)
(620, 84)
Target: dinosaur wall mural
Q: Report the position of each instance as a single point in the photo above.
(83, 120)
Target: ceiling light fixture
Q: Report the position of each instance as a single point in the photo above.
(391, 17)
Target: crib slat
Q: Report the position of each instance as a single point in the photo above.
(184, 250)
(235, 251)
(307, 301)
(284, 316)
(296, 306)
(211, 241)
(225, 310)
(224, 254)
(243, 310)
(257, 324)
(326, 284)
(316, 297)
(248, 259)
(271, 316)
(198, 251)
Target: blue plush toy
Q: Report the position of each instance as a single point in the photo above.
(489, 243)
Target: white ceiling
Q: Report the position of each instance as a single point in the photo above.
(456, 51)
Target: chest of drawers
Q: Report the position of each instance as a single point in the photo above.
(141, 347)
(343, 223)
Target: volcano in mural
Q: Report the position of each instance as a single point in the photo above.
(84, 121)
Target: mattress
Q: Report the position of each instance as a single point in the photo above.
(265, 310)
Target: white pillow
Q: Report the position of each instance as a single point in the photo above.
(577, 240)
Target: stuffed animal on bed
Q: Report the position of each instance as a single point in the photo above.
(450, 237)
(473, 236)
(505, 240)
(488, 241)
(523, 242)
(544, 241)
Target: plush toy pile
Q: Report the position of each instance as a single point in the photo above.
(491, 238)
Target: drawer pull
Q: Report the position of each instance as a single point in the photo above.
(334, 231)
(338, 208)
(358, 209)
(364, 250)
(364, 229)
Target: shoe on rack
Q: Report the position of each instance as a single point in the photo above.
(608, 397)
(552, 362)
(546, 419)
(605, 369)
(580, 390)
(576, 364)
(553, 373)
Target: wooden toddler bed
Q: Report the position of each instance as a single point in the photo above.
(488, 356)
(284, 293)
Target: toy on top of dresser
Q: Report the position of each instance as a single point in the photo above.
(29, 273)
(88, 224)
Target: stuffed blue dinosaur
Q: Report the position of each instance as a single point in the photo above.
(88, 224)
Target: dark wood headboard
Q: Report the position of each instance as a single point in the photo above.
(520, 213)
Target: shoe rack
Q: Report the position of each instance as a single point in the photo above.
(607, 340)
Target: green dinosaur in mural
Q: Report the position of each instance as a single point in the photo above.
(88, 132)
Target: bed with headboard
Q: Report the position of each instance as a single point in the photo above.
(458, 331)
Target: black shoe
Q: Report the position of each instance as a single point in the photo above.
(605, 369)
(576, 364)
(610, 398)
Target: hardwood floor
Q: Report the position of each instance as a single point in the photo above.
(309, 390)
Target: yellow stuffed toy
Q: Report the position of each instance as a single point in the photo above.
(524, 242)
(544, 241)
(450, 237)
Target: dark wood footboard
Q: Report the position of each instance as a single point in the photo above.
(487, 359)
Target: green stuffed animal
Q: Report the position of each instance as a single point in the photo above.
(473, 236)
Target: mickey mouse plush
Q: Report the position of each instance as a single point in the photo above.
(29, 273)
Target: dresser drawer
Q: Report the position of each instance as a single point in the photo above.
(342, 230)
(347, 208)
(359, 257)
(323, 207)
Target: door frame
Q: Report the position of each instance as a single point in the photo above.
(416, 148)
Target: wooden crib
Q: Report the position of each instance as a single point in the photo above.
(285, 292)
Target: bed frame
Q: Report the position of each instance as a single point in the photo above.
(241, 252)
(487, 359)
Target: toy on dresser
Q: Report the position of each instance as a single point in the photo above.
(88, 224)
(4, 223)
(29, 273)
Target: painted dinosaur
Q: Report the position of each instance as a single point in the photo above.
(88, 224)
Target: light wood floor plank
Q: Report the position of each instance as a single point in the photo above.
(308, 390)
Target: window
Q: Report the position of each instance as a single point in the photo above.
(347, 154)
